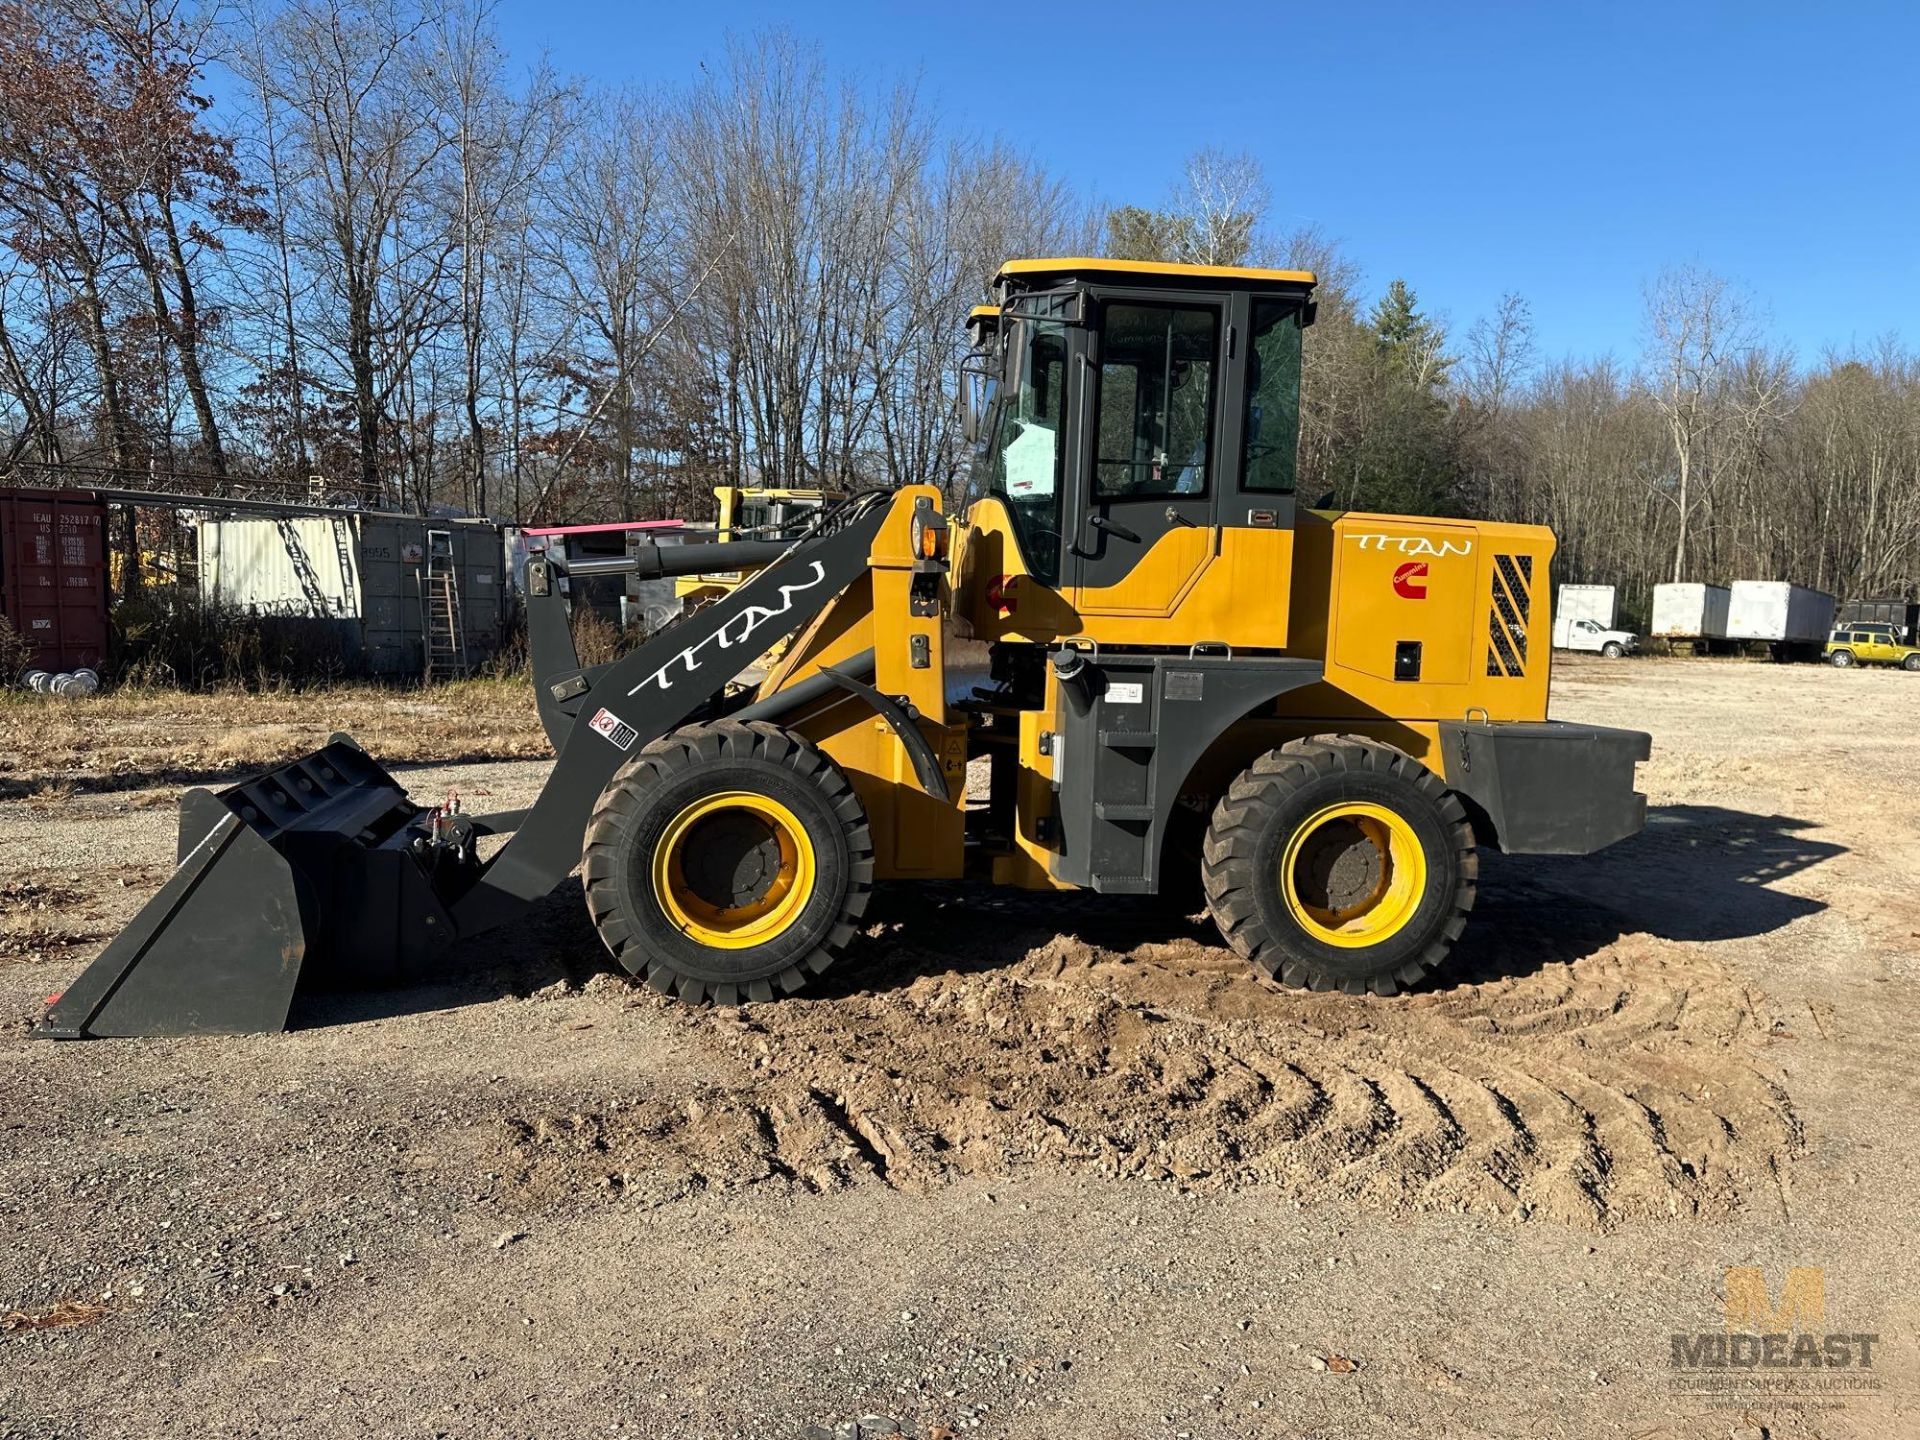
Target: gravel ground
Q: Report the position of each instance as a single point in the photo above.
(1019, 1168)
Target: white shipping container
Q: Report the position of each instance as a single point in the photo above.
(1586, 602)
(1691, 612)
(1777, 611)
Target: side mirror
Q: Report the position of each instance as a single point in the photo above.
(973, 398)
(969, 411)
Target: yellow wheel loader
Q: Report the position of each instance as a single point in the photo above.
(1319, 715)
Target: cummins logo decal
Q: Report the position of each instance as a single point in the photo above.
(1410, 580)
(733, 632)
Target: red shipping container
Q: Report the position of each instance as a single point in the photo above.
(53, 575)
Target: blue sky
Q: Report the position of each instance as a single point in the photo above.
(1563, 151)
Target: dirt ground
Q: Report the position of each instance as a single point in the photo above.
(1018, 1168)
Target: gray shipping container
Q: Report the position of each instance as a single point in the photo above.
(1777, 611)
(1895, 610)
(1690, 612)
(359, 575)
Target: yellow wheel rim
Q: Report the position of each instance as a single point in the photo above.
(1353, 874)
(733, 870)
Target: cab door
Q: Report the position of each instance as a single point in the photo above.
(1152, 397)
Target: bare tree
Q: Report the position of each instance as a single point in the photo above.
(612, 277)
(1499, 353)
(1226, 197)
(500, 144)
(56, 109)
(1700, 333)
(365, 151)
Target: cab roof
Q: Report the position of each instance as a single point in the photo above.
(982, 321)
(1031, 274)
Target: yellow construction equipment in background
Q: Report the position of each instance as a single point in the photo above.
(748, 512)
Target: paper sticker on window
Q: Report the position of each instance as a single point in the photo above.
(1029, 462)
(613, 729)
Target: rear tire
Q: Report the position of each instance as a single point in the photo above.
(1840, 659)
(1340, 864)
(728, 862)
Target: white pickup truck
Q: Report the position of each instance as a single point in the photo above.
(1592, 635)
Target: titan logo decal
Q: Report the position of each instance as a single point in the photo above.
(734, 632)
(1414, 544)
(1410, 580)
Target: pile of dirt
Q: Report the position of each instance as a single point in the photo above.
(1633, 1082)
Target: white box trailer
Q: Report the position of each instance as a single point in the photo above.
(1586, 602)
(1690, 612)
(1779, 613)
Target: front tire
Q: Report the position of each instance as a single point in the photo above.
(1613, 650)
(1912, 662)
(1340, 864)
(728, 861)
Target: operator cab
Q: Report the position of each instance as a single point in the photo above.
(1138, 418)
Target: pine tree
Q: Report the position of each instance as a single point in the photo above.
(1411, 344)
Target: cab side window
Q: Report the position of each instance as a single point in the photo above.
(1155, 401)
(1273, 398)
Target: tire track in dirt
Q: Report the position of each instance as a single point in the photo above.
(1631, 1083)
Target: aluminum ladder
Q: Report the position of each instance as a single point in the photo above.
(446, 638)
(343, 551)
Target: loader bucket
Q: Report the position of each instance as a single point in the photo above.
(279, 879)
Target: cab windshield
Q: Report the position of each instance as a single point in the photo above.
(1022, 458)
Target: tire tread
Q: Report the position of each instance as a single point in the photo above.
(1249, 806)
(692, 747)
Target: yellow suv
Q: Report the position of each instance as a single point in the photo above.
(1871, 645)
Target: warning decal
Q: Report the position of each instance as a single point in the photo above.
(613, 729)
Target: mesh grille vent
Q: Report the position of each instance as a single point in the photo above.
(1508, 616)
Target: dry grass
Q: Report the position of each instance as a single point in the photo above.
(142, 735)
(14, 653)
(63, 1316)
